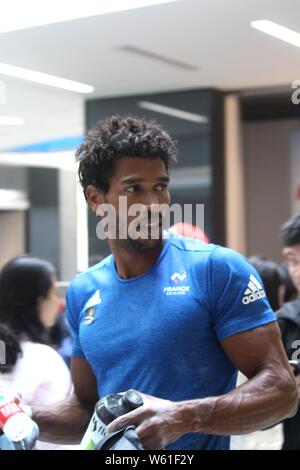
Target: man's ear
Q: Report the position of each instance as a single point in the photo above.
(94, 197)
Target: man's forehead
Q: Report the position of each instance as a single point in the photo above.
(138, 165)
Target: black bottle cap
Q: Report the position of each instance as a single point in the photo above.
(133, 399)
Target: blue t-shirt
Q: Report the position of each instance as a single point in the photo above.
(160, 333)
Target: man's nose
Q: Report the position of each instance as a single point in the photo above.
(150, 201)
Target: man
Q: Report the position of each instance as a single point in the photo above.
(173, 318)
(289, 319)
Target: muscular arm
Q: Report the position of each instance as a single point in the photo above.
(267, 397)
(66, 421)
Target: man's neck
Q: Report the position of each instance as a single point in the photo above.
(131, 264)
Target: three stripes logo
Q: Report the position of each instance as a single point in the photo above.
(254, 291)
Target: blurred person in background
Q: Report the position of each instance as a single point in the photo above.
(289, 319)
(188, 230)
(28, 308)
(273, 278)
(290, 291)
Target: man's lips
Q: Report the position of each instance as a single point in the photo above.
(149, 226)
(151, 221)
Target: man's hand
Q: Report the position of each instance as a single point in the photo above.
(158, 422)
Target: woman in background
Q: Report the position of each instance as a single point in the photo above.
(28, 308)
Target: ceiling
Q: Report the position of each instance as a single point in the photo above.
(182, 45)
(212, 38)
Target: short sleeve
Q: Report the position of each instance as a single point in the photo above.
(73, 320)
(237, 297)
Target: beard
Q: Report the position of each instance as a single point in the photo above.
(148, 241)
(146, 237)
(140, 245)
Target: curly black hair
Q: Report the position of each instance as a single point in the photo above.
(117, 137)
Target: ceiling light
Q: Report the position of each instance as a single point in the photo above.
(277, 31)
(11, 121)
(161, 58)
(21, 14)
(174, 112)
(44, 78)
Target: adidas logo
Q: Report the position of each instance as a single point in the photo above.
(254, 291)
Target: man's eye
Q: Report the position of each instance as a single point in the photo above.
(132, 189)
(161, 186)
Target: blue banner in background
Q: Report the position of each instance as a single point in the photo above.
(57, 145)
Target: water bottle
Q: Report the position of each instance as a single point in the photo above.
(17, 427)
(107, 410)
